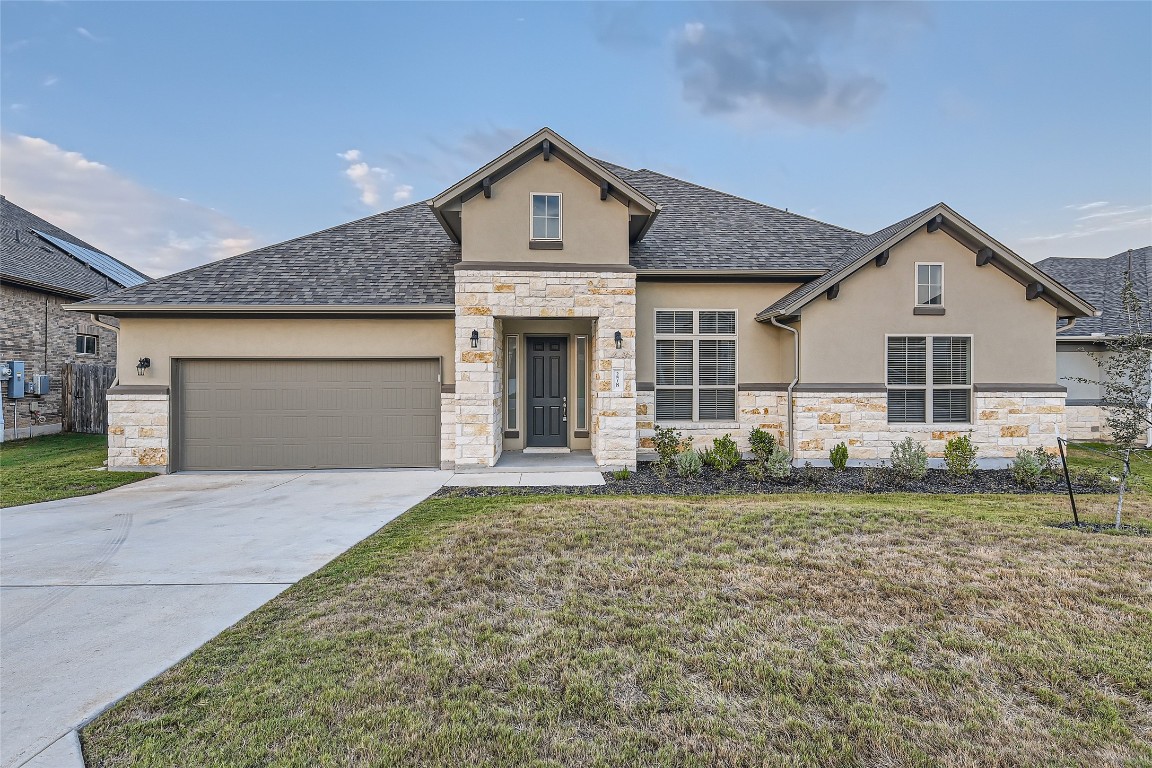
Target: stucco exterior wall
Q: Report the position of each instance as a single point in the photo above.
(764, 352)
(163, 339)
(594, 231)
(843, 340)
(35, 328)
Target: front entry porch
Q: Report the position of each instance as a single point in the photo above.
(517, 468)
(545, 360)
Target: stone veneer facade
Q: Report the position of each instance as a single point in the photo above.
(760, 408)
(483, 298)
(1086, 422)
(1005, 423)
(138, 430)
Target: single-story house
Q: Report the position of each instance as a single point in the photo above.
(554, 302)
(42, 269)
(1082, 345)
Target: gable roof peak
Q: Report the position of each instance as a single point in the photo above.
(548, 143)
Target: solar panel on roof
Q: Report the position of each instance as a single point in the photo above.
(101, 262)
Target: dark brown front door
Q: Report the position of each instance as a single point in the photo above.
(547, 391)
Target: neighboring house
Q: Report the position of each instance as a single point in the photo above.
(43, 268)
(551, 301)
(1079, 345)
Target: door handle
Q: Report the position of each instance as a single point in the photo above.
(565, 401)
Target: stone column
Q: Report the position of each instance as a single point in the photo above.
(138, 431)
(614, 412)
(477, 388)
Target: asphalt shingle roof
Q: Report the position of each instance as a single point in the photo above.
(29, 259)
(1100, 281)
(400, 257)
(853, 252)
(699, 228)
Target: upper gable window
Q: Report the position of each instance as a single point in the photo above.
(546, 216)
(929, 285)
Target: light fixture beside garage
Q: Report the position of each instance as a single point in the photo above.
(475, 339)
(142, 366)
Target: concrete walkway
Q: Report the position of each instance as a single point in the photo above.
(104, 592)
(532, 469)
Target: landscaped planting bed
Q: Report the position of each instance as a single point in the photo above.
(649, 480)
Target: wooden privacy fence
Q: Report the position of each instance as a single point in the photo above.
(84, 397)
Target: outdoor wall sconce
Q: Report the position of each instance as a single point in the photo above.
(142, 366)
(475, 339)
(619, 340)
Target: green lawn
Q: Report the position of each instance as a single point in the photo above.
(1103, 458)
(57, 467)
(742, 631)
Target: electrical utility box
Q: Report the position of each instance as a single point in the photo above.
(5, 370)
(16, 381)
(38, 384)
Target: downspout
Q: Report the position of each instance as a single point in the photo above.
(115, 332)
(795, 380)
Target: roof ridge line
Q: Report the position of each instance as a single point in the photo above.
(749, 200)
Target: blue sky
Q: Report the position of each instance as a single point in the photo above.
(173, 133)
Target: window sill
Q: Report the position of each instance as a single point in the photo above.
(545, 245)
(925, 310)
(701, 424)
(948, 426)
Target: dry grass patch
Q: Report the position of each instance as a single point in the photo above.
(893, 631)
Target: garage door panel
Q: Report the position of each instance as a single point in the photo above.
(297, 414)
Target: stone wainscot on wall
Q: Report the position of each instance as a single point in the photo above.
(138, 430)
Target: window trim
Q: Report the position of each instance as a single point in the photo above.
(95, 344)
(928, 386)
(916, 284)
(532, 218)
(695, 338)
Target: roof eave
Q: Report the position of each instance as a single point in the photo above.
(1055, 292)
(256, 309)
(45, 287)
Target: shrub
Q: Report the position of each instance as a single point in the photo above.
(669, 442)
(960, 456)
(1050, 466)
(839, 457)
(1028, 468)
(723, 456)
(756, 471)
(779, 465)
(762, 443)
(1091, 478)
(622, 474)
(909, 459)
(809, 475)
(689, 463)
(875, 478)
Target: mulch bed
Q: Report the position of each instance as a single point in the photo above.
(647, 482)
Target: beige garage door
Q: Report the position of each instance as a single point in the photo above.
(307, 414)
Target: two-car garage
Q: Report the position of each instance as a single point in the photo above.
(313, 413)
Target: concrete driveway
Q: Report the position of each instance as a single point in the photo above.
(104, 592)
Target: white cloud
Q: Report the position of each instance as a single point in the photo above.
(88, 35)
(372, 181)
(50, 80)
(148, 229)
(1100, 229)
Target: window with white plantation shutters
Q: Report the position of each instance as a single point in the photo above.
(695, 365)
(919, 392)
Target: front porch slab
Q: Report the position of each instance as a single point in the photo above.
(536, 479)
